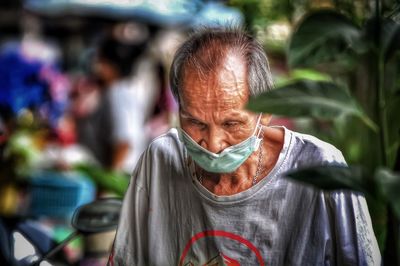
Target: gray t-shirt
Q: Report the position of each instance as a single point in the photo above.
(169, 218)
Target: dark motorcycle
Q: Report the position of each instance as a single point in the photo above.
(89, 219)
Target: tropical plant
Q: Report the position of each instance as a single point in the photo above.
(357, 108)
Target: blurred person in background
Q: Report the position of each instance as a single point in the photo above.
(112, 111)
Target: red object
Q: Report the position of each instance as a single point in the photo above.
(224, 234)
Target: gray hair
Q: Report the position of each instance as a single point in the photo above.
(205, 50)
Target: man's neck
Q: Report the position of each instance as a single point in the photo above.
(227, 184)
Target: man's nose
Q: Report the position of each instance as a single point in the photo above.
(215, 141)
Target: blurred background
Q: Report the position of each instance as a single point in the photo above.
(84, 88)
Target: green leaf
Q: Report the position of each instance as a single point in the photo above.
(301, 74)
(110, 180)
(324, 36)
(310, 74)
(305, 98)
(389, 185)
(334, 178)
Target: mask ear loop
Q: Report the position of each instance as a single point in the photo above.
(260, 132)
(259, 126)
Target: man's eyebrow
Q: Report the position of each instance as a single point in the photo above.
(185, 114)
(236, 116)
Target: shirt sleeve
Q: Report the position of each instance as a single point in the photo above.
(130, 244)
(352, 232)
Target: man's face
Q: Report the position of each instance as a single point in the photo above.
(212, 107)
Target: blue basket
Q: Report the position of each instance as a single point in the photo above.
(58, 194)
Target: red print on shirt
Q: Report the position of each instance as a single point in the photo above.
(220, 258)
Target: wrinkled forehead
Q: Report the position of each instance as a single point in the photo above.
(225, 80)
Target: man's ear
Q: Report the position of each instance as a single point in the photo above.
(266, 119)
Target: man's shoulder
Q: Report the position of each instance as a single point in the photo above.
(166, 145)
(164, 156)
(166, 141)
(312, 149)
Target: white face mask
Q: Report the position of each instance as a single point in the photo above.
(229, 159)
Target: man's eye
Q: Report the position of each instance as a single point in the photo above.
(231, 124)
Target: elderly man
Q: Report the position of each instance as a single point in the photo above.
(213, 192)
